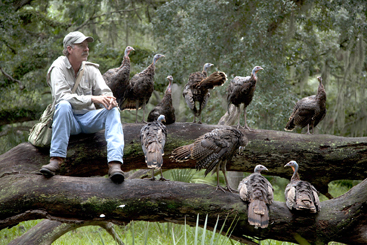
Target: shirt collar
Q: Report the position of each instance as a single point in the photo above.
(67, 63)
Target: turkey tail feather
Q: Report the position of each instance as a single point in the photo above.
(258, 214)
(304, 202)
(217, 78)
(182, 153)
(154, 157)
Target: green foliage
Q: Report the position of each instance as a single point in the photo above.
(136, 232)
(183, 175)
(192, 37)
(294, 41)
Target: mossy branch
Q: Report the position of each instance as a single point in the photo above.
(26, 195)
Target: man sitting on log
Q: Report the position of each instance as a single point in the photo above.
(76, 112)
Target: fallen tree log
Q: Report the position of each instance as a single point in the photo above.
(322, 158)
(77, 200)
(71, 198)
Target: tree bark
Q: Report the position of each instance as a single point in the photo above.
(73, 199)
(322, 158)
(77, 200)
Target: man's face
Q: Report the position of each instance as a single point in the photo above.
(79, 52)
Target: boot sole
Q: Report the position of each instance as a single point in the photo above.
(117, 177)
(47, 173)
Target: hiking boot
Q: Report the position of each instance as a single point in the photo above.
(50, 169)
(115, 173)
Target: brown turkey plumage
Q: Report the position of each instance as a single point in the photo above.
(212, 151)
(309, 111)
(164, 107)
(196, 91)
(118, 78)
(153, 138)
(241, 91)
(139, 89)
(258, 192)
(300, 194)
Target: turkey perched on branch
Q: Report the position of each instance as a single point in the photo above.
(164, 107)
(258, 192)
(197, 89)
(309, 111)
(212, 151)
(153, 138)
(300, 194)
(139, 90)
(241, 91)
(118, 78)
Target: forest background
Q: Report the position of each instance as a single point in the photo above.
(294, 41)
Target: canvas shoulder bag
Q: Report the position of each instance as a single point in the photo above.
(41, 133)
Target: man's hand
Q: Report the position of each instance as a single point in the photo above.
(107, 101)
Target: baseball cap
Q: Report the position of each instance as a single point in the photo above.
(76, 37)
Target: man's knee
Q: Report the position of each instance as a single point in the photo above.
(64, 106)
(114, 112)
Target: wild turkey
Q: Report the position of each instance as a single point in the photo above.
(212, 151)
(300, 194)
(118, 78)
(309, 111)
(258, 192)
(241, 91)
(139, 90)
(197, 89)
(164, 107)
(153, 137)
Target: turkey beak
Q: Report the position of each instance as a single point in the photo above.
(266, 169)
(287, 165)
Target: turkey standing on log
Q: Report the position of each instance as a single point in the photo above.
(241, 91)
(197, 89)
(164, 107)
(153, 137)
(300, 194)
(212, 151)
(140, 89)
(258, 192)
(309, 111)
(118, 78)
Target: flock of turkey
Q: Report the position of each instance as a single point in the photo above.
(213, 150)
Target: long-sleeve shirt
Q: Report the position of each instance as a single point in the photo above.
(61, 78)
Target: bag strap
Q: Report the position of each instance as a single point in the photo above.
(76, 83)
(78, 78)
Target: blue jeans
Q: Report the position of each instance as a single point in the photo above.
(66, 123)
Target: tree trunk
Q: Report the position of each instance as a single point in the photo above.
(322, 158)
(26, 195)
(78, 199)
